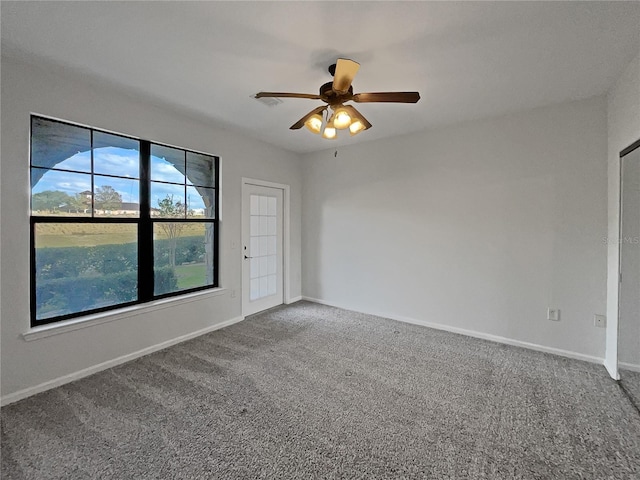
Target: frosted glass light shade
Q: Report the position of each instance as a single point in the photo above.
(329, 133)
(314, 123)
(342, 119)
(356, 127)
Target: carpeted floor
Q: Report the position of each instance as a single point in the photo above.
(309, 391)
(631, 383)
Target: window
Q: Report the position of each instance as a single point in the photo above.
(116, 221)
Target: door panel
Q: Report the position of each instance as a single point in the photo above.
(262, 248)
(629, 301)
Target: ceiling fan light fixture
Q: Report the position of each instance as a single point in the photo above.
(336, 96)
(342, 119)
(314, 123)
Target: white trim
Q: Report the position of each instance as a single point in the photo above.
(85, 372)
(611, 355)
(472, 333)
(96, 319)
(634, 367)
(286, 234)
(612, 371)
(294, 299)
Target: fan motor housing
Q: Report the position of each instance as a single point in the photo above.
(326, 91)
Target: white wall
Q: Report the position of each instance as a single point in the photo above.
(623, 111)
(478, 227)
(27, 88)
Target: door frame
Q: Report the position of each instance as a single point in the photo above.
(286, 234)
(635, 145)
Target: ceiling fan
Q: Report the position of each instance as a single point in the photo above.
(335, 94)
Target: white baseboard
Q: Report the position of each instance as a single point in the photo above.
(471, 333)
(294, 299)
(27, 392)
(634, 367)
(317, 300)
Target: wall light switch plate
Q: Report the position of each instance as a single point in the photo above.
(553, 314)
(600, 321)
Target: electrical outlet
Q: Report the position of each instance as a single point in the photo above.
(600, 321)
(233, 293)
(553, 314)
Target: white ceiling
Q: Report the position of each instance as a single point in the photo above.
(467, 59)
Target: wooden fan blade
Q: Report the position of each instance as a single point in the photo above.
(300, 123)
(345, 72)
(353, 113)
(393, 97)
(288, 95)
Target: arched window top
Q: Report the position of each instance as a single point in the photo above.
(53, 143)
(71, 148)
(174, 165)
(80, 169)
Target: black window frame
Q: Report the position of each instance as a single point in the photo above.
(145, 222)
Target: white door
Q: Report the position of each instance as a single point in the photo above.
(629, 300)
(262, 256)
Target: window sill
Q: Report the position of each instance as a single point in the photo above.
(65, 326)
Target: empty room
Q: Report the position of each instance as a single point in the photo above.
(355, 240)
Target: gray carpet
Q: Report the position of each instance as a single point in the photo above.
(308, 391)
(631, 383)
